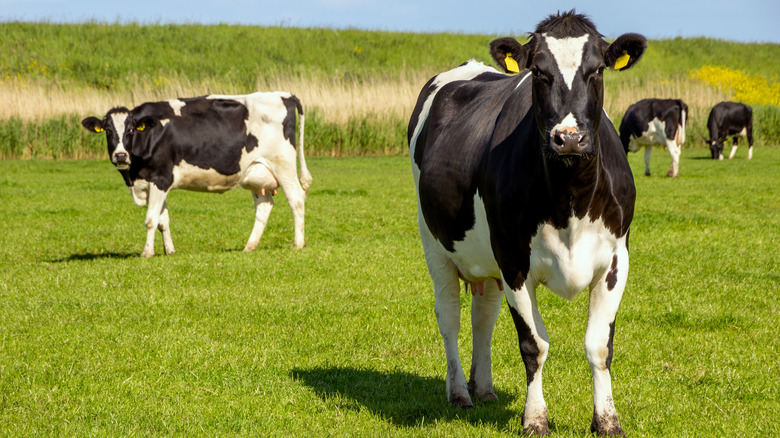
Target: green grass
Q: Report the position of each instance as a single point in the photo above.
(339, 338)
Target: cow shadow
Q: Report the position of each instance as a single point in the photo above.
(402, 399)
(93, 256)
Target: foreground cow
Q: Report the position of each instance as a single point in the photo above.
(209, 144)
(521, 181)
(730, 119)
(655, 121)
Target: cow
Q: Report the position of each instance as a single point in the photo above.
(522, 180)
(729, 119)
(210, 144)
(655, 121)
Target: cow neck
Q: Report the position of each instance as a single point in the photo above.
(569, 188)
(126, 175)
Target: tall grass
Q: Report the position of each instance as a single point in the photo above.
(359, 86)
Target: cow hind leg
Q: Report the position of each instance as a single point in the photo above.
(484, 313)
(648, 150)
(264, 202)
(734, 148)
(674, 151)
(446, 287)
(156, 205)
(165, 229)
(287, 177)
(534, 345)
(605, 296)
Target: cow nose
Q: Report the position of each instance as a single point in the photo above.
(121, 157)
(570, 141)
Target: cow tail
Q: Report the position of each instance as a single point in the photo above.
(306, 178)
(681, 131)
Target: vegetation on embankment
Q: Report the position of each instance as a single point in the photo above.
(358, 86)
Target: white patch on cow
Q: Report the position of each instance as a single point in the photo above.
(567, 260)
(140, 192)
(568, 55)
(165, 122)
(474, 254)
(118, 120)
(568, 123)
(176, 105)
(191, 177)
(655, 134)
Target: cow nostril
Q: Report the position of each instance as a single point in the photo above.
(121, 156)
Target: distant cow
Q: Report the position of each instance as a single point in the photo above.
(730, 119)
(521, 181)
(209, 144)
(655, 121)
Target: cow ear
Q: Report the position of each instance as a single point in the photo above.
(509, 54)
(625, 51)
(93, 124)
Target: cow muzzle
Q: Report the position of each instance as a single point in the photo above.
(570, 141)
(121, 160)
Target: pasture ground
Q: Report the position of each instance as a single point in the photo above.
(339, 338)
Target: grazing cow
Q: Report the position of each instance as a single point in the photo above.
(209, 144)
(655, 121)
(730, 119)
(521, 181)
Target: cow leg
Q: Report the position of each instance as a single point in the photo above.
(648, 150)
(484, 313)
(288, 181)
(156, 204)
(734, 148)
(605, 296)
(674, 151)
(534, 345)
(264, 202)
(165, 230)
(750, 152)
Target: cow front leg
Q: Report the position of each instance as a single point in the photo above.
(484, 313)
(534, 345)
(156, 204)
(674, 151)
(605, 296)
(264, 202)
(734, 148)
(648, 150)
(165, 230)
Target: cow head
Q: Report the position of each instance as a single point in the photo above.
(114, 127)
(567, 58)
(716, 148)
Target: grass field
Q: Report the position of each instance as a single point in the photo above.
(339, 338)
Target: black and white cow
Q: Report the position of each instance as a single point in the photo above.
(521, 181)
(210, 144)
(655, 121)
(730, 119)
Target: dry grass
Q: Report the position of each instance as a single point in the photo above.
(335, 100)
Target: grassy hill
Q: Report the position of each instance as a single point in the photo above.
(359, 85)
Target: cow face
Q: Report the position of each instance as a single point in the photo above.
(114, 127)
(716, 148)
(567, 58)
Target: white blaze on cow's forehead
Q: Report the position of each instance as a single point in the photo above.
(568, 54)
(176, 105)
(118, 120)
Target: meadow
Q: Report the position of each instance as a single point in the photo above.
(339, 338)
(358, 87)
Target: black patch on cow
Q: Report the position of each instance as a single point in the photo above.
(612, 276)
(608, 362)
(529, 350)
(210, 134)
(292, 104)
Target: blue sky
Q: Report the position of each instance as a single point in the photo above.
(734, 20)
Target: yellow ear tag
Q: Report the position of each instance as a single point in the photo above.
(622, 61)
(140, 127)
(511, 64)
(98, 129)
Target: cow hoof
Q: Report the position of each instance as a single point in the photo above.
(606, 426)
(488, 397)
(462, 402)
(536, 430)
(250, 248)
(147, 254)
